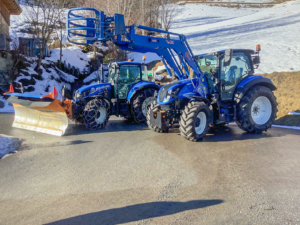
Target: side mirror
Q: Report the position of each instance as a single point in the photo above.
(256, 60)
(113, 69)
(228, 57)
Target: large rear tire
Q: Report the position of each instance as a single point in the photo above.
(96, 114)
(141, 103)
(257, 110)
(194, 121)
(155, 107)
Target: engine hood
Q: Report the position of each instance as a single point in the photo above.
(94, 88)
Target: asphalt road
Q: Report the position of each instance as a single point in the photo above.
(129, 174)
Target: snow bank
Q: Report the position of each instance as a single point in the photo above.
(8, 145)
(294, 113)
(7, 108)
(159, 77)
(92, 76)
(286, 127)
(72, 55)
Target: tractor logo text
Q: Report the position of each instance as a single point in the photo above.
(187, 55)
(170, 42)
(93, 90)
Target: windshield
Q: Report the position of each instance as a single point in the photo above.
(127, 73)
(208, 65)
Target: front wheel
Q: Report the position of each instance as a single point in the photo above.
(257, 110)
(141, 103)
(96, 114)
(194, 121)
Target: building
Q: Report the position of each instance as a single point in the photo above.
(7, 8)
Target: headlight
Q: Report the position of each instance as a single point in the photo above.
(173, 91)
(77, 95)
(166, 99)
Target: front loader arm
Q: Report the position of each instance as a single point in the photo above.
(103, 28)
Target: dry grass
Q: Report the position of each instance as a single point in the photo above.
(288, 91)
(288, 96)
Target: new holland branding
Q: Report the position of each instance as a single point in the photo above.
(93, 90)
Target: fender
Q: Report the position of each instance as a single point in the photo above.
(249, 82)
(139, 86)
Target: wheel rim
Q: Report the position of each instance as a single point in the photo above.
(101, 115)
(261, 110)
(200, 123)
(146, 105)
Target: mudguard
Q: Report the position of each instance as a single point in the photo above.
(139, 86)
(250, 81)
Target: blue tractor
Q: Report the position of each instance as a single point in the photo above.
(211, 89)
(233, 94)
(128, 94)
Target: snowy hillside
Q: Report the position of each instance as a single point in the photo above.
(210, 28)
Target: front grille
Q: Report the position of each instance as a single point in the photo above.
(164, 90)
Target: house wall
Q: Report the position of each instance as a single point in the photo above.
(4, 22)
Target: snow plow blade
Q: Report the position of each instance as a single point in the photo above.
(40, 113)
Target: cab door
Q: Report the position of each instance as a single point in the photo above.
(232, 74)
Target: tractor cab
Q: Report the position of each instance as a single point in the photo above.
(223, 75)
(123, 76)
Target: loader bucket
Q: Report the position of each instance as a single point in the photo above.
(40, 113)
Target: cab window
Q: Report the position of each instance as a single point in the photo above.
(130, 73)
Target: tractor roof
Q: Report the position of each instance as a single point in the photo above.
(234, 50)
(128, 63)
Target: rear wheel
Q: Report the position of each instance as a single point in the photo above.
(96, 114)
(257, 110)
(141, 103)
(194, 121)
(154, 108)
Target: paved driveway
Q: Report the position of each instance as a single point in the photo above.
(129, 174)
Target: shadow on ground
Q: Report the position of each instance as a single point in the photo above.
(234, 133)
(112, 126)
(137, 212)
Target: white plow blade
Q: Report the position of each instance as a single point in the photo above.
(44, 121)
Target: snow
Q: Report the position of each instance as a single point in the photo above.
(287, 127)
(294, 113)
(91, 77)
(7, 108)
(159, 77)
(8, 145)
(276, 29)
(161, 69)
(72, 55)
(213, 28)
